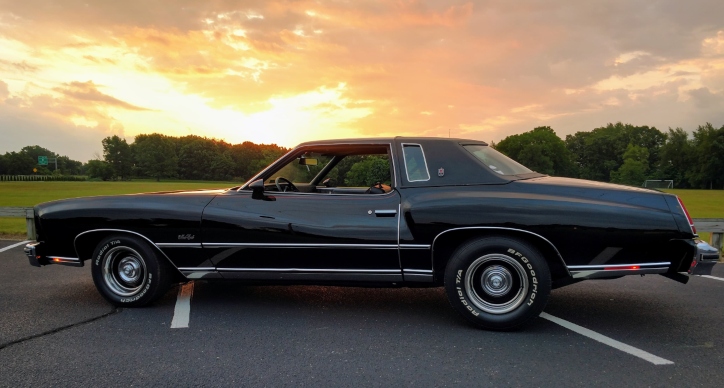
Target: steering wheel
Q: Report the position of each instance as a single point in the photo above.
(290, 185)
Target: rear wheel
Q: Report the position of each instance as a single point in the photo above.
(497, 283)
(128, 272)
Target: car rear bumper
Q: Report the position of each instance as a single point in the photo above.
(36, 257)
(706, 257)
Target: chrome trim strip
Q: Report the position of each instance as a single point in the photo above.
(296, 193)
(74, 259)
(414, 246)
(196, 269)
(179, 245)
(291, 245)
(415, 277)
(424, 159)
(595, 274)
(602, 266)
(321, 270)
(421, 271)
(124, 231)
(500, 228)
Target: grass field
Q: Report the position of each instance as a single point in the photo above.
(700, 203)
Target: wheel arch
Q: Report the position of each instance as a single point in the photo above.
(85, 243)
(446, 242)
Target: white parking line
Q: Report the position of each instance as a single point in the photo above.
(14, 245)
(183, 306)
(712, 277)
(656, 360)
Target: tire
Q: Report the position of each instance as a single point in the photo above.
(128, 272)
(497, 283)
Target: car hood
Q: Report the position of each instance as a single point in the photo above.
(196, 199)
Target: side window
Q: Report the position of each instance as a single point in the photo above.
(361, 171)
(415, 164)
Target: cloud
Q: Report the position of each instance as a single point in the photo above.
(4, 93)
(254, 69)
(88, 92)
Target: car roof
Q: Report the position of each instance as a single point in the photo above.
(380, 140)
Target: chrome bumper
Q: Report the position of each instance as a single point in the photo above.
(706, 257)
(34, 252)
(31, 252)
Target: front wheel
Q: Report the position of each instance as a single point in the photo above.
(497, 283)
(128, 272)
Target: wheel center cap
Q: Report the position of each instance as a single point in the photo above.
(496, 280)
(129, 270)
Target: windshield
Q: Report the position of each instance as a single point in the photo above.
(494, 160)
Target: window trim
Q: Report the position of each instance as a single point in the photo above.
(424, 160)
(293, 153)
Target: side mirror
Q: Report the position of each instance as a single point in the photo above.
(257, 191)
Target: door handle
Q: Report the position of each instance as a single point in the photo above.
(385, 213)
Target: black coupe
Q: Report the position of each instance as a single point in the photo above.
(394, 212)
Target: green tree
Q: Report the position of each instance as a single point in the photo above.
(370, 170)
(601, 151)
(540, 150)
(19, 163)
(634, 167)
(675, 158)
(222, 166)
(155, 156)
(117, 153)
(195, 157)
(707, 171)
(99, 169)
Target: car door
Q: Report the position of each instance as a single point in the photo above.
(304, 236)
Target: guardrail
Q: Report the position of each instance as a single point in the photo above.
(713, 225)
(26, 212)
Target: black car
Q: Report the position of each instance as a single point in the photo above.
(394, 212)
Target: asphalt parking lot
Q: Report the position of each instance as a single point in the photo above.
(55, 329)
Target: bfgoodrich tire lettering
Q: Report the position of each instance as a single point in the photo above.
(497, 283)
(128, 272)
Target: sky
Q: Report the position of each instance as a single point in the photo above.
(283, 72)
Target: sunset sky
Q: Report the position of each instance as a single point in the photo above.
(73, 72)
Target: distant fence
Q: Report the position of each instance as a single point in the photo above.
(713, 225)
(54, 178)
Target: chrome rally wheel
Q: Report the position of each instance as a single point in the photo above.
(124, 271)
(497, 282)
(129, 271)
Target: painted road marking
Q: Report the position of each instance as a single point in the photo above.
(13, 246)
(183, 306)
(712, 277)
(656, 360)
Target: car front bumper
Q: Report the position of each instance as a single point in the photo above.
(36, 257)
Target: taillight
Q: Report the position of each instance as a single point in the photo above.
(688, 217)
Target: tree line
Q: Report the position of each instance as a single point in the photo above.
(618, 153)
(624, 153)
(153, 156)
(188, 157)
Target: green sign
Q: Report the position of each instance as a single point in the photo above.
(43, 160)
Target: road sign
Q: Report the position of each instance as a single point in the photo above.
(43, 160)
